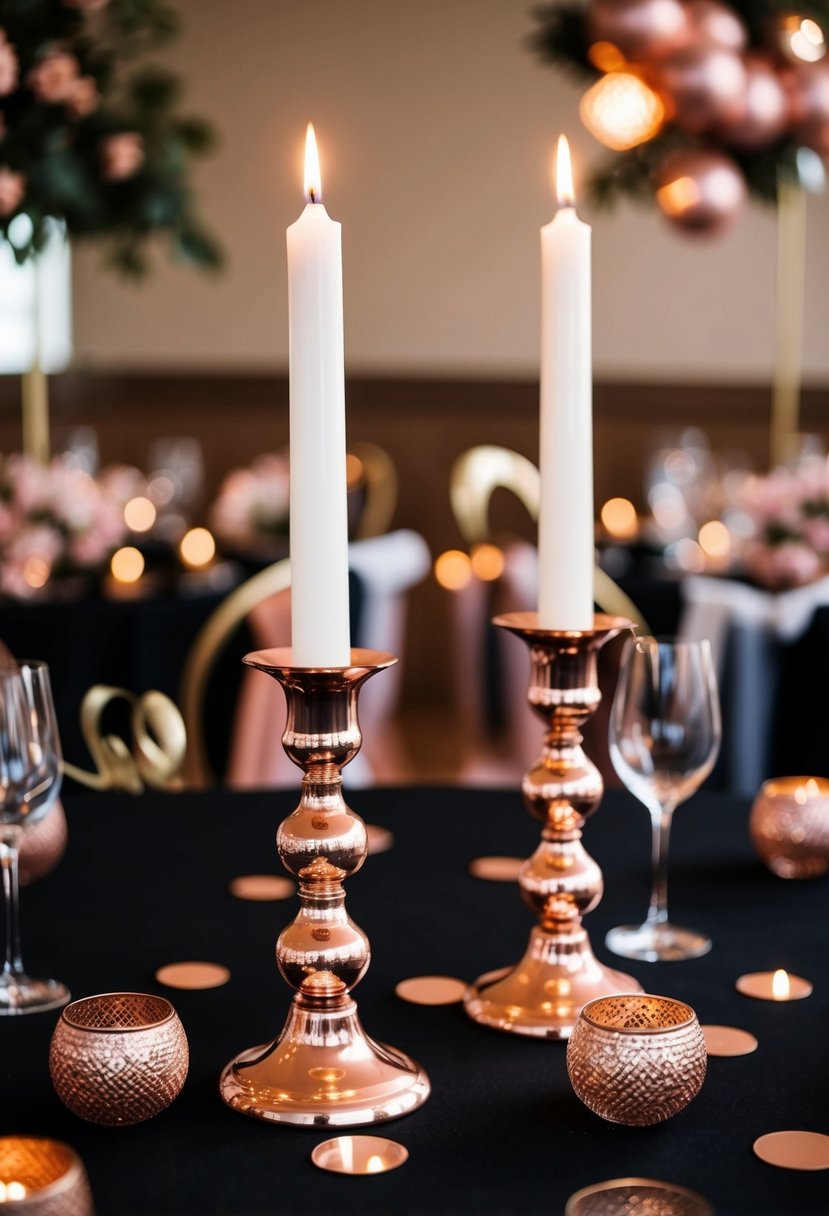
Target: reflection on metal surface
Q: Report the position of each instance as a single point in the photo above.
(794, 1150)
(637, 1197)
(761, 985)
(542, 995)
(261, 887)
(323, 1070)
(359, 1155)
(431, 990)
(728, 1041)
(496, 869)
(636, 1059)
(193, 975)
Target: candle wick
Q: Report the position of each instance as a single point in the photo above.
(312, 194)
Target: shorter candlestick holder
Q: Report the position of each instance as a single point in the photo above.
(543, 994)
(323, 1070)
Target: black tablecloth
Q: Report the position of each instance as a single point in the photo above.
(145, 883)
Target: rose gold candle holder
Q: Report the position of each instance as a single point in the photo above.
(636, 1059)
(543, 993)
(323, 1070)
(41, 1177)
(119, 1058)
(789, 826)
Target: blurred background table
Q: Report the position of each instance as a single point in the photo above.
(145, 883)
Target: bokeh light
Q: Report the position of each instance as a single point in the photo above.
(127, 565)
(139, 514)
(487, 562)
(619, 518)
(197, 548)
(715, 539)
(453, 569)
(621, 111)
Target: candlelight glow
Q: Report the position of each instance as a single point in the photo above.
(621, 111)
(565, 193)
(313, 176)
(36, 571)
(354, 471)
(453, 569)
(619, 518)
(139, 514)
(803, 39)
(12, 1191)
(676, 197)
(715, 539)
(197, 548)
(487, 562)
(803, 793)
(127, 565)
(375, 1165)
(780, 986)
(606, 57)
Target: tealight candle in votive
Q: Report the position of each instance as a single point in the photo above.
(789, 826)
(774, 986)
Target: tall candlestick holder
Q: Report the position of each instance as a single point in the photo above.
(542, 995)
(323, 1070)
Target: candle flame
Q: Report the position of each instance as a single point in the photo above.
(564, 174)
(313, 176)
(780, 986)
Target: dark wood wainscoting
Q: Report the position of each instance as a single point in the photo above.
(424, 425)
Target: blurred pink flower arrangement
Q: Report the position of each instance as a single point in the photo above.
(790, 513)
(251, 509)
(56, 520)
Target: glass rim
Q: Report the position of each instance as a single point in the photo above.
(631, 1030)
(666, 639)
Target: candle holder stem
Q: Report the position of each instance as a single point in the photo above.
(542, 995)
(323, 1070)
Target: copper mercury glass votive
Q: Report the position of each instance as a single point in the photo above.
(42, 1177)
(119, 1058)
(789, 826)
(636, 1059)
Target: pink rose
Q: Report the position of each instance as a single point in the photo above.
(122, 155)
(12, 190)
(782, 566)
(9, 66)
(816, 532)
(55, 78)
(85, 97)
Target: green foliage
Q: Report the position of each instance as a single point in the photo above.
(561, 38)
(90, 132)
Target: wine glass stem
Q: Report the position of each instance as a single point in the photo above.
(13, 963)
(661, 826)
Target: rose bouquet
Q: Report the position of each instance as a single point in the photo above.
(56, 520)
(789, 510)
(251, 510)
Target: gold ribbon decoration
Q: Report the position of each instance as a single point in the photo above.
(159, 743)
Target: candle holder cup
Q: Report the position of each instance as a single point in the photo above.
(42, 1177)
(789, 825)
(542, 995)
(323, 1070)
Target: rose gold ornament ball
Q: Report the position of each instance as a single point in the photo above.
(808, 89)
(703, 86)
(42, 845)
(700, 192)
(717, 25)
(765, 112)
(641, 29)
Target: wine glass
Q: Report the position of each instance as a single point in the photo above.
(30, 779)
(664, 739)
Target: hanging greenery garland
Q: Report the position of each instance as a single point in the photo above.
(702, 101)
(90, 133)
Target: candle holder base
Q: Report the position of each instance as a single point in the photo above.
(324, 1071)
(541, 996)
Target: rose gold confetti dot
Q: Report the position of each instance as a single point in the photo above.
(431, 990)
(728, 1041)
(794, 1150)
(496, 869)
(380, 840)
(261, 887)
(359, 1155)
(759, 985)
(193, 975)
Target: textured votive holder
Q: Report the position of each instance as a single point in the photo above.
(636, 1059)
(789, 826)
(119, 1058)
(41, 1177)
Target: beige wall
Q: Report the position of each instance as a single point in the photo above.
(436, 129)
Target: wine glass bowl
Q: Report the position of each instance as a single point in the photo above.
(664, 738)
(30, 780)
